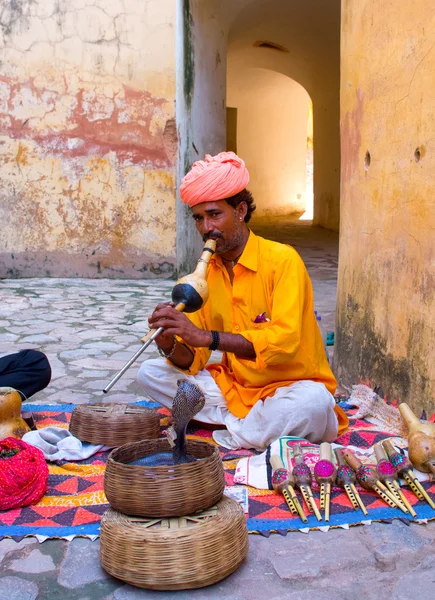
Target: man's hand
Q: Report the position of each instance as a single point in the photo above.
(176, 323)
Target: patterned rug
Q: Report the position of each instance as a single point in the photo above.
(75, 500)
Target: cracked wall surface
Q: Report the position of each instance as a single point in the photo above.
(88, 141)
(386, 288)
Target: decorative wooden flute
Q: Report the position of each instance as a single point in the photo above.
(282, 481)
(404, 469)
(388, 476)
(368, 478)
(346, 478)
(325, 474)
(303, 478)
(188, 294)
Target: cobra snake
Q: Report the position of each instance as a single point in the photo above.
(188, 401)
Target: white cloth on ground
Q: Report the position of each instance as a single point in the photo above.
(57, 443)
(304, 409)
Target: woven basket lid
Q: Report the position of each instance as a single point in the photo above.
(114, 424)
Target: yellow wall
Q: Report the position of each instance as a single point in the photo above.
(386, 295)
(272, 115)
(88, 140)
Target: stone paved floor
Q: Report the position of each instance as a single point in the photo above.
(89, 328)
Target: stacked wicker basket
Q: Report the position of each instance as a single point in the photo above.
(170, 527)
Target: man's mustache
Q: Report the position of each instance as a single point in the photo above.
(211, 236)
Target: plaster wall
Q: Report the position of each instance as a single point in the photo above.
(201, 121)
(272, 112)
(386, 286)
(88, 143)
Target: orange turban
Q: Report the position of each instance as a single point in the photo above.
(215, 178)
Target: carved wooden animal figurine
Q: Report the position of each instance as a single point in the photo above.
(11, 423)
(346, 478)
(282, 481)
(421, 451)
(388, 476)
(404, 470)
(325, 474)
(188, 401)
(368, 478)
(303, 479)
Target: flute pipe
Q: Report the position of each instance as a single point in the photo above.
(289, 502)
(133, 359)
(146, 341)
(351, 492)
(404, 499)
(423, 492)
(327, 501)
(413, 485)
(389, 485)
(298, 506)
(358, 499)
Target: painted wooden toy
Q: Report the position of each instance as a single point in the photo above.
(282, 481)
(388, 476)
(368, 478)
(303, 478)
(325, 474)
(404, 470)
(346, 479)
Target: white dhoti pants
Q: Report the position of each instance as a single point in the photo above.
(304, 409)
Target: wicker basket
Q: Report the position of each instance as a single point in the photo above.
(163, 491)
(114, 424)
(178, 553)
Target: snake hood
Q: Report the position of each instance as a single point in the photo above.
(188, 401)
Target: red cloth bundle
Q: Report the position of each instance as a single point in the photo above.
(23, 474)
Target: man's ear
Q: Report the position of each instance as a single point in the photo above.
(242, 210)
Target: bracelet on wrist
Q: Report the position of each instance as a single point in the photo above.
(171, 351)
(215, 340)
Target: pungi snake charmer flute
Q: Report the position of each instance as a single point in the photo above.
(388, 475)
(303, 479)
(325, 474)
(346, 478)
(404, 469)
(282, 481)
(368, 478)
(189, 294)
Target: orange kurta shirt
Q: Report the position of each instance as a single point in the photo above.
(269, 277)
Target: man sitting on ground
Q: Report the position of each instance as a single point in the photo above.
(274, 378)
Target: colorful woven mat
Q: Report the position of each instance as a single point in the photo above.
(75, 500)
